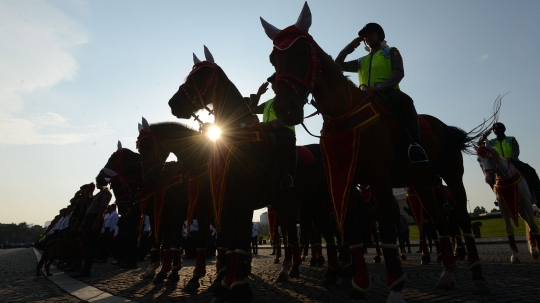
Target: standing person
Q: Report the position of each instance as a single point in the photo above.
(508, 148)
(110, 221)
(286, 142)
(381, 71)
(92, 229)
(254, 236)
(404, 231)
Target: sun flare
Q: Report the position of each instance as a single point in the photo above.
(214, 132)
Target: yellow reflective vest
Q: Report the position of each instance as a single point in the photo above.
(504, 147)
(269, 114)
(375, 68)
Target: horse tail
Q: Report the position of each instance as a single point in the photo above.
(458, 139)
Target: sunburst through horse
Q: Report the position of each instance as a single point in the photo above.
(361, 142)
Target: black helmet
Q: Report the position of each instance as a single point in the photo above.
(500, 126)
(372, 27)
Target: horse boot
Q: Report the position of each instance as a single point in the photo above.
(332, 273)
(150, 272)
(287, 264)
(360, 280)
(313, 259)
(514, 258)
(198, 272)
(305, 252)
(239, 289)
(394, 272)
(297, 260)
(320, 257)
(479, 285)
(221, 262)
(426, 258)
(278, 253)
(438, 250)
(165, 268)
(446, 280)
(176, 256)
(534, 241)
(231, 269)
(415, 151)
(459, 250)
(347, 269)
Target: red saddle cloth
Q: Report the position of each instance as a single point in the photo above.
(305, 156)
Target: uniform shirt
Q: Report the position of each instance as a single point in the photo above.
(65, 222)
(147, 226)
(111, 220)
(194, 225)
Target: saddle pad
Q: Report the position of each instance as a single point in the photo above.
(425, 128)
(305, 156)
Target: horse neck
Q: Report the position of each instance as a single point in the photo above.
(335, 93)
(505, 169)
(179, 140)
(230, 109)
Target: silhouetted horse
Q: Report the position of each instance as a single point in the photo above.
(363, 142)
(251, 180)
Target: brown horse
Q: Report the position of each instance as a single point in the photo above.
(353, 117)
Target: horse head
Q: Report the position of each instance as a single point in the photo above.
(297, 67)
(487, 157)
(198, 91)
(122, 157)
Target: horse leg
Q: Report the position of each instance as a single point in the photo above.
(444, 249)
(293, 240)
(200, 266)
(239, 289)
(531, 231)
(332, 273)
(167, 258)
(155, 261)
(453, 176)
(377, 243)
(176, 255)
(514, 258)
(221, 262)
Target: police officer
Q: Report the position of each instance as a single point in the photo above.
(508, 148)
(380, 71)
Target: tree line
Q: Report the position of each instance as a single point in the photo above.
(20, 233)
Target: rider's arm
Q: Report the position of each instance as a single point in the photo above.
(350, 66)
(253, 104)
(515, 148)
(397, 71)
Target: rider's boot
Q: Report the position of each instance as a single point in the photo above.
(415, 151)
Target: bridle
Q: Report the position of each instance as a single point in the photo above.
(484, 152)
(158, 146)
(283, 42)
(201, 92)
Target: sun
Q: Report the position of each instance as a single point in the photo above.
(214, 132)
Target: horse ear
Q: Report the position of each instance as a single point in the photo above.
(139, 126)
(109, 172)
(270, 30)
(488, 144)
(145, 125)
(119, 145)
(304, 20)
(208, 55)
(195, 59)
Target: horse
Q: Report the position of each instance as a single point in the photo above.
(365, 144)
(251, 171)
(513, 196)
(190, 184)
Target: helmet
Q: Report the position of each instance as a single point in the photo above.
(372, 27)
(499, 126)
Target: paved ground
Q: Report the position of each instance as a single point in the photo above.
(18, 281)
(509, 283)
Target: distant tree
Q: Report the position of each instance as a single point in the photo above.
(494, 210)
(19, 233)
(264, 230)
(479, 210)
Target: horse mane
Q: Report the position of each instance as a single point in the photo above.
(478, 132)
(172, 124)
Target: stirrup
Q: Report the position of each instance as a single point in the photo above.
(286, 182)
(420, 152)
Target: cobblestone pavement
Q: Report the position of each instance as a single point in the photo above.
(509, 283)
(18, 281)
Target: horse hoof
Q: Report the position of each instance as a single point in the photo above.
(439, 259)
(395, 297)
(514, 260)
(535, 255)
(357, 297)
(329, 281)
(295, 273)
(445, 284)
(377, 259)
(283, 278)
(403, 257)
(49, 274)
(480, 287)
(312, 262)
(346, 282)
(191, 286)
(160, 277)
(425, 260)
(303, 258)
(276, 261)
(218, 300)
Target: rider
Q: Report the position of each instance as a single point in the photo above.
(288, 154)
(380, 72)
(508, 148)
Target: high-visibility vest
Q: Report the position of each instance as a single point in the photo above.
(504, 147)
(375, 68)
(269, 114)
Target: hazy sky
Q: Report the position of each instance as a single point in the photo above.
(76, 76)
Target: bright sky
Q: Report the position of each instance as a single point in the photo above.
(76, 76)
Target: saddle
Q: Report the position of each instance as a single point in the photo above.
(304, 156)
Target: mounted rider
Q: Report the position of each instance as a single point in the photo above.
(285, 141)
(380, 72)
(508, 148)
